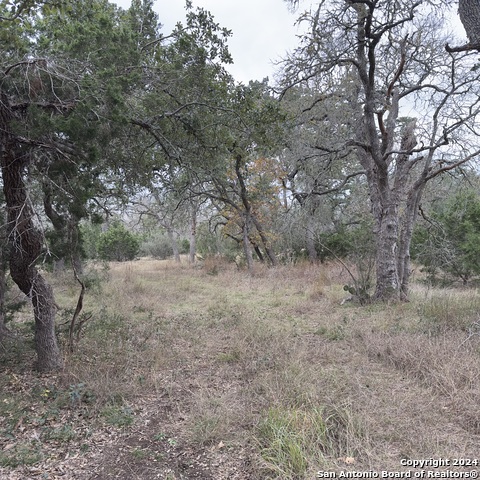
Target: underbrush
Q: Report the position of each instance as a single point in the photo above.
(446, 310)
(270, 362)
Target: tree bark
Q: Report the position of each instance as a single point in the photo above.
(393, 231)
(469, 12)
(258, 252)
(3, 273)
(384, 208)
(26, 243)
(3, 291)
(266, 244)
(385, 190)
(387, 285)
(406, 231)
(247, 249)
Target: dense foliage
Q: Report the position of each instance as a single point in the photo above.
(118, 244)
(449, 244)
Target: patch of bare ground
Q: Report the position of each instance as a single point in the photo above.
(212, 373)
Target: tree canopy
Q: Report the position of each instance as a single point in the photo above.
(411, 102)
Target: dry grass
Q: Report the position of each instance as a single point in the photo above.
(263, 376)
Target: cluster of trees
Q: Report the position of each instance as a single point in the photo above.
(101, 111)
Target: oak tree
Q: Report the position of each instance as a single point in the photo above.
(414, 107)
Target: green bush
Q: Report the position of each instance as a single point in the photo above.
(118, 243)
(157, 246)
(185, 246)
(213, 242)
(450, 243)
(334, 244)
(356, 245)
(346, 242)
(90, 234)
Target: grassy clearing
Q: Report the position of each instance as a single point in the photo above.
(240, 376)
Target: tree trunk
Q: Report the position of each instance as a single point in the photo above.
(393, 232)
(309, 206)
(174, 244)
(3, 282)
(469, 12)
(377, 137)
(266, 244)
(407, 223)
(405, 239)
(26, 243)
(384, 208)
(193, 235)
(3, 291)
(247, 249)
(310, 237)
(258, 252)
(387, 285)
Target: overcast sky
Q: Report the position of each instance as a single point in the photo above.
(263, 31)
